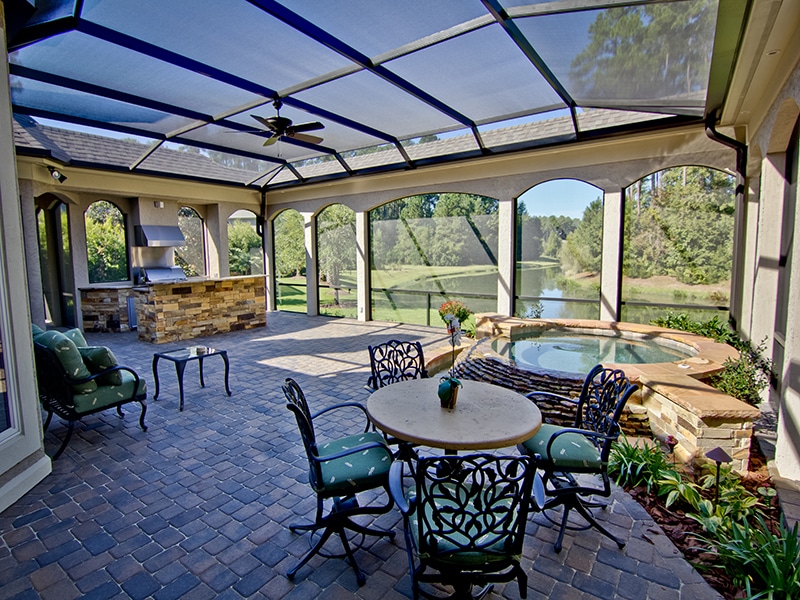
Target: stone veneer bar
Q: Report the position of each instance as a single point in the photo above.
(169, 312)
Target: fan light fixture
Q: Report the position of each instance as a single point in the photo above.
(57, 175)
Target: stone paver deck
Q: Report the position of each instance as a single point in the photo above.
(198, 506)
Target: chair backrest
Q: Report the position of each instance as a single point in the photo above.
(55, 393)
(603, 397)
(395, 361)
(472, 504)
(296, 402)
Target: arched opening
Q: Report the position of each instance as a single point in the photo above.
(336, 261)
(245, 251)
(55, 261)
(431, 248)
(677, 252)
(288, 233)
(559, 250)
(106, 243)
(192, 256)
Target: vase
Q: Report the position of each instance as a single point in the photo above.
(448, 392)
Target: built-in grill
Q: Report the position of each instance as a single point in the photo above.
(163, 274)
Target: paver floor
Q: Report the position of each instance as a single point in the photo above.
(198, 506)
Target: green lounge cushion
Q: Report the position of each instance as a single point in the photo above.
(76, 335)
(36, 330)
(355, 472)
(570, 451)
(70, 358)
(108, 395)
(98, 359)
(453, 520)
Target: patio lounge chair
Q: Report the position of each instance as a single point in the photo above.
(564, 452)
(76, 381)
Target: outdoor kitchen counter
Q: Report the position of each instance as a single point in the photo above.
(169, 312)
(173, 311)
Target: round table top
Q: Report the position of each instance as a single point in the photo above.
(486, 416)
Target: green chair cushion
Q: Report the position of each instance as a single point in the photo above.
(36, 330)
(70, 358)
(495, 546)
(571, 451)
(98, 359)
(108, 395)
(76, 335)
(355, 472)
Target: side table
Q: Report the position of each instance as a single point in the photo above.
(183, 355)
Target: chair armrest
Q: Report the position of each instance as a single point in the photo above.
(584, 432)
(346, 405)
(93, 376)
(537, 394)
(350, 451)
(396, 487)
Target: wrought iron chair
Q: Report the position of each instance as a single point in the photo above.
(564, 452)
(338, 470)
(464, 520)
(395, 361)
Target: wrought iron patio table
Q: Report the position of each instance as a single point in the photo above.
(486, 416)
(183, 355)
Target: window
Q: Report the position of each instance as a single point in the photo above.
(290, 260)
(336, 260)
(678, 244)
(431, 248)
(106, 244)
(245, 254)
(559, 251)
(192, 256)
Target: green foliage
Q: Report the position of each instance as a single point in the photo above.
(191, 257)
(715, 328)
(336, 245)
(766, 564)
(633, 465)
(105, 243)
(290, 247)
(584, 246)
(242, 238)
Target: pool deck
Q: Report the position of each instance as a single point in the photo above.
(197, 507)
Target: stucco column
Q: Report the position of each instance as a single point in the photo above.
(268, 247)
(506, 240)
(611, 267)
(363, 266)
(787, 447)
(768, 248)
(312, 279)
(216, 240)
(746, 249)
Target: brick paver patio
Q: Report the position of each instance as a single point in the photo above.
(198, 506)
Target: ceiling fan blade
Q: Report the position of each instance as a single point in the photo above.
(309, 139)
(307, 126)
(272, 139)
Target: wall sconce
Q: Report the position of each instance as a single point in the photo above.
(57, 175)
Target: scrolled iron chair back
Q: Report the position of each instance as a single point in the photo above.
(472, 503)
(296, 402)
(601, 405)
(395, 361)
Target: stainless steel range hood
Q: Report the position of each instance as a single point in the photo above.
(156, 236)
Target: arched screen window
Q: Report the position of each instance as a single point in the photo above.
(245, 255)
(192, 256)
(106, 246)
(290, 260)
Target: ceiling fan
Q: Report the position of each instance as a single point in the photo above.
(279, 126)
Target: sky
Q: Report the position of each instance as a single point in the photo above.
(560, 197)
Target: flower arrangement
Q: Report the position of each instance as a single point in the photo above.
(452, 313)
(456, 308)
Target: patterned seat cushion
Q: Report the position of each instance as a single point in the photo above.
(355, 472)
(108, 395)
(571, 451)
